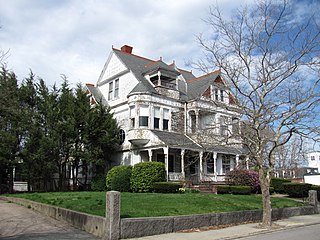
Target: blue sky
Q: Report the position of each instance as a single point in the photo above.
(74, 37)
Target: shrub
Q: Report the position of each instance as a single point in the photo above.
(277, 184)
(191, 190)
(297, 189)
(317, 188)
(223, 189)
(145, 174)
(241, 190)
(118, 178)
(240, 177)
(98, 183)
(227, 189)
(167, 187)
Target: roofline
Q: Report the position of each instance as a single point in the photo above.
(203, 76)
(118, 50)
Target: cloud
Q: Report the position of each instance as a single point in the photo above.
(75, 37)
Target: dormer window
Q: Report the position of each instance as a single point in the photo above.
(163, 81)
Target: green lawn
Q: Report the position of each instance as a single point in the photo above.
(156, 204)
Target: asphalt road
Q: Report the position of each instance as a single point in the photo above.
(20, 223)
(311, 232)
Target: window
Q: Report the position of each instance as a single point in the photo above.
(210, 165)
(221, 95)
(110, 91)
(235, 126)
(122, 136)
(156, 119)
(216, 94)
(144, 116)
(132, 116)
(165, 119)
(116, 88)
(225, 164)
(223, 126)
(313, 158)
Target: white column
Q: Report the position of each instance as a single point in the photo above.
(166, 161)
(182, 163)
(215, 165)
(197, 120)
(247, 163)
(200, 165)
(150, 155)
(237, 160)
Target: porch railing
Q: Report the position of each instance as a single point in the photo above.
(175, 176)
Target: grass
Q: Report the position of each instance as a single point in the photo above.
(156, 204)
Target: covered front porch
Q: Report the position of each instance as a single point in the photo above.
(193, 165)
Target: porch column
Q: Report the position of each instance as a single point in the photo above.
(182, 162)
(150, 155)
(197, 119)
(200, 166)
(247, 163)
(215, 165)
(237, 160)
(166, 161)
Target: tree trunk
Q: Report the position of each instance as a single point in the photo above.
(266, 200)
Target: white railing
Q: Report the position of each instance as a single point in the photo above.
(176, 176)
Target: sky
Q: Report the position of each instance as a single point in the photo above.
(74, 37)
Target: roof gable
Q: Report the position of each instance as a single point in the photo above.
(113, 67)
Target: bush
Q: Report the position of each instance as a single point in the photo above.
(240, 177)
(145, 174)
(237, 190)
(223, 189)
(118, 178)
(98, 184)
(240, 190)
(317, 188)
(277, 184)
(167, 187)
(297, 189)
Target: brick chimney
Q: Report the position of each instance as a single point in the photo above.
(126, 49)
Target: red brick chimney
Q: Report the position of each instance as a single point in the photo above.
(126, 49)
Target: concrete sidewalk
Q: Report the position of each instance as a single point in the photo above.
(236, 232)
(20, 223)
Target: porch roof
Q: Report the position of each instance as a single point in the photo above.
(226, 149)
(176, 140)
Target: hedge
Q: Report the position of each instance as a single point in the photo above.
(118, 179)
(145, 174)
(277, 184)
(297, 189)
(167, 187)
(237, 190)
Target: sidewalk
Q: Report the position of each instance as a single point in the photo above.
(236, 232)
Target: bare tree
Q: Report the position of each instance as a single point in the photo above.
(269, 55)
(3, 55)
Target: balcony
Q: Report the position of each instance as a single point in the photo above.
(139, 137)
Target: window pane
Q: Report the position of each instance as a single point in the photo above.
(165, 124)
(110, 90)
(116, 88)
(157, 112)
(143, 121)
(156, 123)
(144, 110)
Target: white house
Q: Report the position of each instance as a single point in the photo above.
(314, 160)
(167, 114)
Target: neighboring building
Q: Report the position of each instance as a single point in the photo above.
(314, 160)
(167, 114)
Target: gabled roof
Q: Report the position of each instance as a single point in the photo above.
(198, 85)
(97, 95)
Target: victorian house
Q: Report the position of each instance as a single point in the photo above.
(167, 114)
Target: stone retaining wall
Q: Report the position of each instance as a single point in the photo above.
(139, 227)
(89, 223)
